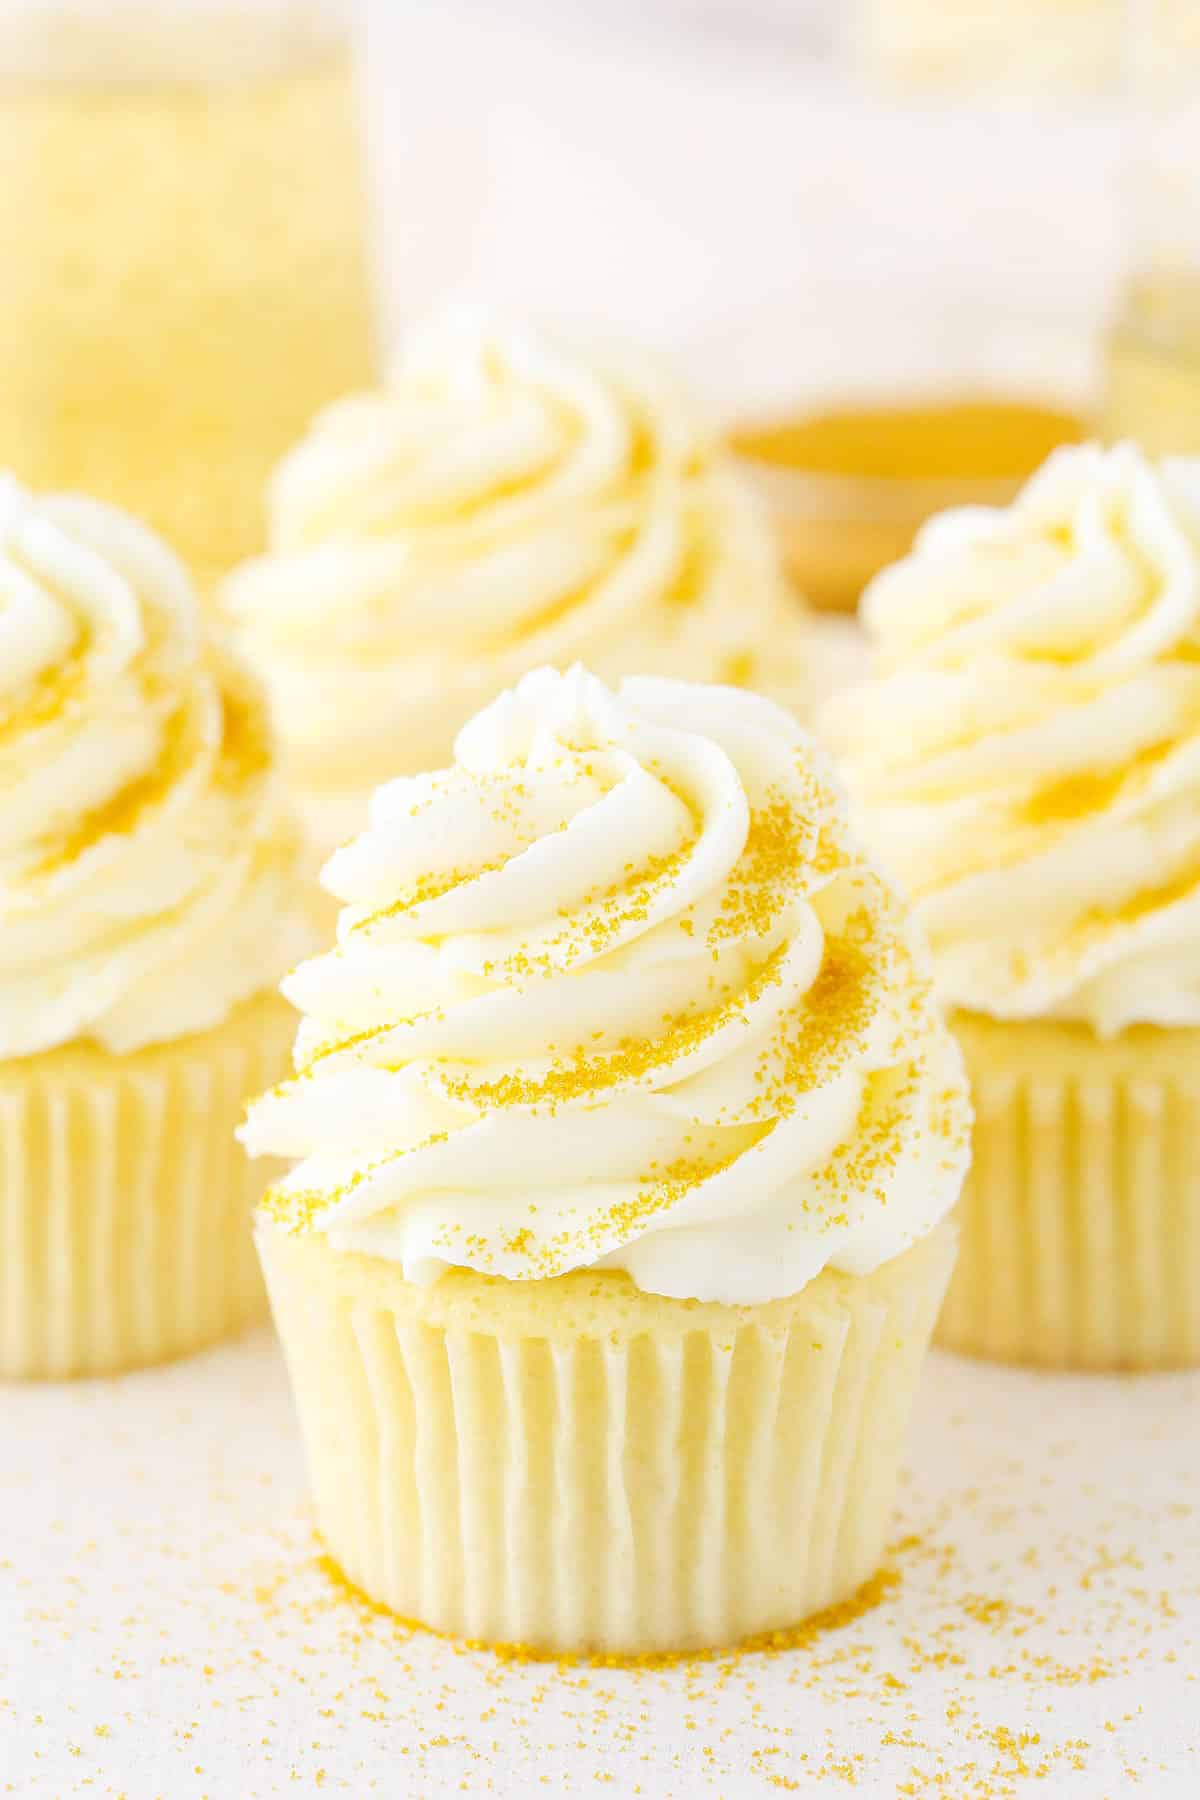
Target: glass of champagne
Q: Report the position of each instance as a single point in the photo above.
(183, 274)
(1152, 390)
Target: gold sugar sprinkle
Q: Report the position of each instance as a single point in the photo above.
(633, 1061)
(50, 696)
(765, 876)
(123, 811)
(868, 1597)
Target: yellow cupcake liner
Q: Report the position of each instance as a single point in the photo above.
(580, 1467)
(125, 1202)
(1080, 1218)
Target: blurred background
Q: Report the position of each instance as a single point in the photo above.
(899, 247)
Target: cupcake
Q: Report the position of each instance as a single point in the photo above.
(503, 503)
(147, 908)
(625, 1128)
(1027, 761)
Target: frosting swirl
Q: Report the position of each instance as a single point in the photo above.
(616, 990)
(1028, 759)
(147, 869)
(498, 506)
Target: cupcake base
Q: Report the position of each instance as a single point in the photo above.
(1081, 1215)
(580, 1467)
(125, 1202)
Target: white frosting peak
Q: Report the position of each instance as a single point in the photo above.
(147, 867)
(616, 989)
(501, 503)
(1028, 760)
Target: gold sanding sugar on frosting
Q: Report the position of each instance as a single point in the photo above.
(300, 1209)
(434, 886)
(766, 875)
(293, 1212)
(1024, 829)
(1099, 923)
(658, 1192)
(1077, 796)
(866, 1162)
(862, 961)
(629, 903)
(600, 920)
(47, 697)
(324, 1051)
(244, 755)
(827, 854)
(507, 636)
(814, 1043)
(738, 668)
(665, 1191)
(246, 734)
(1072, 798)
(634, 1060)
(296, 1209)
(696, 556)
(817, 1039)
(795, 847)
(429, 887)
(123, 811)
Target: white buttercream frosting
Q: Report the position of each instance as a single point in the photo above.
(616, 989)
(1027, 761)
(501, 503)
(147, 866)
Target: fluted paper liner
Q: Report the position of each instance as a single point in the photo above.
(1080, 1218)
(578, 1466)
(125, 1202)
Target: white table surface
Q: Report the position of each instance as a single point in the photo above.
(166, 1629)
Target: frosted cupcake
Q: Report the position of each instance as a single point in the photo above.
(502, 504)
(1028, 763)
(626, 1127)
(147, 908)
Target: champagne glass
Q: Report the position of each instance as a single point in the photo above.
(182, 244)
(1152, 390)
